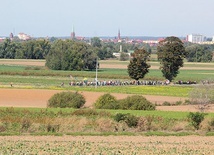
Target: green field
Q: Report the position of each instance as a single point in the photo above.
(39, 77)
(52, 112)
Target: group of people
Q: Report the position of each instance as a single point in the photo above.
(117, 83)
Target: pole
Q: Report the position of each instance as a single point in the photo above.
(96, 72)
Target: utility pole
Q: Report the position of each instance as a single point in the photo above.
(96, 72)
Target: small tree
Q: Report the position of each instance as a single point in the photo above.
(124, 56)
(202, 96)
(196, 119)
(138, 66)
(171, 53)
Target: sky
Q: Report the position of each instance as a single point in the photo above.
(94, 18)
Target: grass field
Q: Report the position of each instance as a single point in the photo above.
(35, 112)
(191, 71)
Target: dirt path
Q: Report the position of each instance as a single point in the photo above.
(38, 98)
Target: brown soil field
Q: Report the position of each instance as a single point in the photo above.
(39, 97)
(88, 145)
(22, 62)
(41, 63)
(152, 67)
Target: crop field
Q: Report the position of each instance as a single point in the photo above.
(111, 145)
(64, 133)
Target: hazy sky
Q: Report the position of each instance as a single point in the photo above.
(41, 18)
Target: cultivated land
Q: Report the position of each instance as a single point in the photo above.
(110, 145)
(30, 94)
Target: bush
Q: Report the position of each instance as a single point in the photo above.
(136, 102)
(66, 100)
(211, 124)
(195, 119)
(129, 119)
(166, 103)
(106, 101)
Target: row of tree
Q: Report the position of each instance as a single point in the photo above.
(38, 49)
(171, 53)
(32, 49)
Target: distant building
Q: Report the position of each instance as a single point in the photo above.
(195, 38)
(11, 36)
(213, 38)
(23, 36)
(1, 39)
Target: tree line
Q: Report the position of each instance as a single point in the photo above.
(77, 55)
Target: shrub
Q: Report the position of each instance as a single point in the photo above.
(120, 117)
(106, 101)
(211, 124)
(136, 102)
(129, 119)
(66, 100)
(166, 103)
(195, 119)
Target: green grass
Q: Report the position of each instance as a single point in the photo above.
(158, 133)
(18, 112)
(154, 74)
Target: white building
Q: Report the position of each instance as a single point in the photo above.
(195, 38)
(23, 36)
(213, 38)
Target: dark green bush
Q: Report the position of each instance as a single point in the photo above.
(106, 101)
(66, 100)
(195, 119)
(129, 119)
(166, 103)
(136, 102)
(120, 117)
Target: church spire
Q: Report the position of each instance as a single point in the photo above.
(73, 33)
(118, 37)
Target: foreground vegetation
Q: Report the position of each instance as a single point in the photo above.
(51, 121)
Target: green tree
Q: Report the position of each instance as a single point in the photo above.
(199, 53)
(138, 66)
(124, 56)
(8, 49)
(171, 53)
(106, 51)
(71, 55)
(96, 42)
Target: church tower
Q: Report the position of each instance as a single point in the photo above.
(73, 34)
(118, 36)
